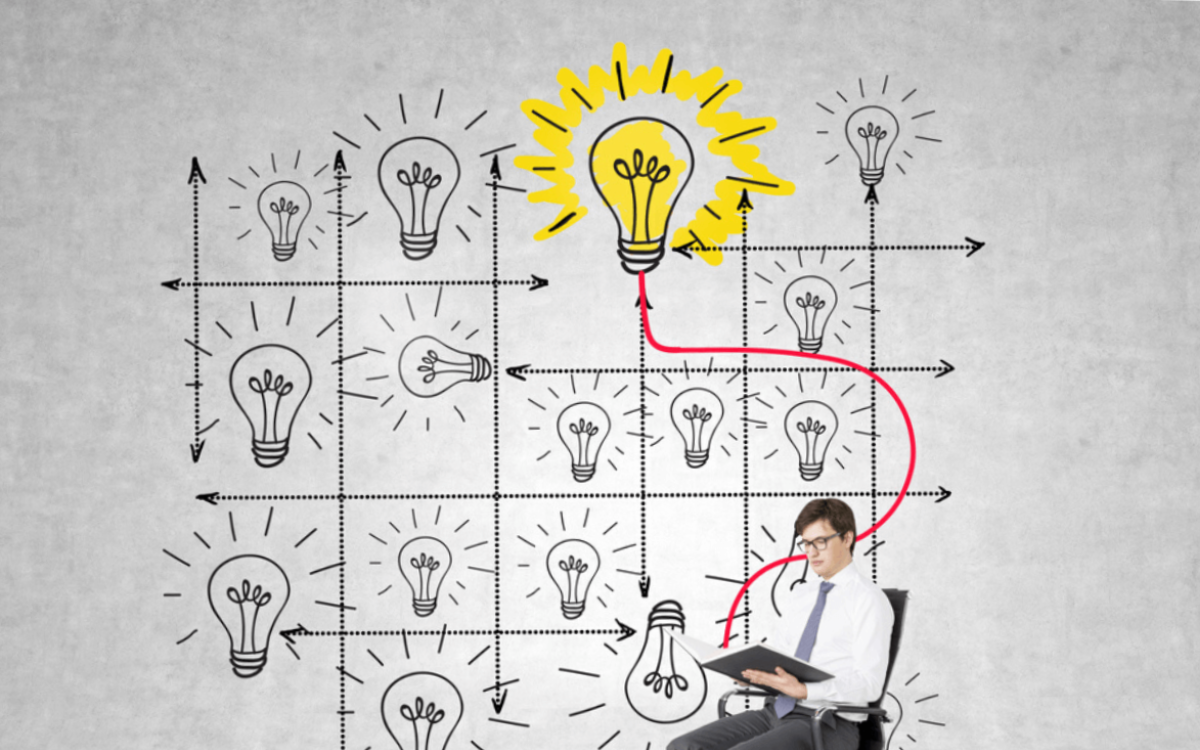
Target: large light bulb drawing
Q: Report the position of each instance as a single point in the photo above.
(421, 710)
(247, 593)
(283, 207)
(811, 426)
(696, 414)
(665, 685)
(424, 562)
(429, 368)
(640, 167)
(417, 176)
(269, 384)
(871, 131)
(810, 301)
(573, 565)
(583, 427)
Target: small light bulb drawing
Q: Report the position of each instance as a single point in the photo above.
(665, 685)
(424, 562)
(283, 207)
(269, 383)
(583, 427)
(640, 166)
(871, 132)
(696, 414)
(573, 565)
(429, 367)
(417, 176)
(811, 425)
(247, 593)
(810, 301)
(421, 710)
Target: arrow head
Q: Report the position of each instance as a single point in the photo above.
(173, 284)
(683, 250)
(538, 283)
(496, 168)
(196, 173)
(948, 369)
(287, 635)
(871, 198)
(517, 371)
(339, 163)
(975, 246)
(626, 631)
(744, 204)
(638, 304)
(197, 448)
(498, 701)
(209, 497)
(644, 586)
(945, 494)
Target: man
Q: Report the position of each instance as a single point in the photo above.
(843, 626)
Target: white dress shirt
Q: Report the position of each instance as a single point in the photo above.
(852, 640)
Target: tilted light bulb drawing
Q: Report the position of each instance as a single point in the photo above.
(283, 207)
(421, 710)
(417, 176)
(811, 426)
(640, 166)
(583, 427)
(424, 562)
(871, 132)
(665, 685)
(247, 593)
(573, 565)
(269, 384)
(696, 413)
(810, 301)
(429, 368)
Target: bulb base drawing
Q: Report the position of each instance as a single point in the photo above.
(424, 607)
(810, 346)
(696, 459)
(640, 256)
(583, 472)
(667, 614)
(809, 472)
(871, 176)
(269, 453)
(481, 369)
(572, 610)
(283, 252)
(247, 664)
(418, 246)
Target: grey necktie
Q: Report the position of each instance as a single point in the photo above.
(785, 703)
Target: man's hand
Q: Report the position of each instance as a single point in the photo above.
(778, 680)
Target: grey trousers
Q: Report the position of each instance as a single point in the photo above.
(763, 730)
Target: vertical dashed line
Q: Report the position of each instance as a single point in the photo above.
(745, 430)
(496, 370)
(874, 400)
(341, 405)
(642, 431)
(196, 308)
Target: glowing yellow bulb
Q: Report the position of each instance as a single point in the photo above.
(640, 167)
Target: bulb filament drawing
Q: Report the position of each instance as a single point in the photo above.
(424, 562)
(583, 427)
(429, 367)
(696, 413)
(247, 593)
(573, 565)
(421, 710)
(810, 426)
(418, 176)
(283, 207)
(810, 301)
(664, 686)
(269, 384)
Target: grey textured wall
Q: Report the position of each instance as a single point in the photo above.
(1054, 593)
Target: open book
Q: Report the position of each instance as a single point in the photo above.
(734, 660)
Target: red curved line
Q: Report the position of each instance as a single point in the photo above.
(912, 438)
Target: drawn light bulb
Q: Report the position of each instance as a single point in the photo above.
(811, 426)
(424, 563)
(810, 301)
(573, 565)
(283, 207)
(640, 167)
(696, 414)
(269, 384)
(872, 131)
(421, 710)
(666, 684)
(247, 593)
(583, 427)
(429, 368)
(417, 176)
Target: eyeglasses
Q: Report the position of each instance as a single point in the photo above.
(817, 544)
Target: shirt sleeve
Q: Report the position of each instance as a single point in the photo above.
(862, 682)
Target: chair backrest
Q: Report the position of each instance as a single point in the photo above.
(871, 734)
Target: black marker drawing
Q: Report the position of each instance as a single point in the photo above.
(811, 426)
(284, 206)
(696, 414)
(269, 384)
(640, 166)
(421, 710)
(665, 685)
(573, 565)
(871, 132)
(424, 562)
(429, 368)
(417, 176)
(583, 427)
(247, 594)
(810, 301)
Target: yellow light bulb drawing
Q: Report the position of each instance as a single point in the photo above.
(640, 167)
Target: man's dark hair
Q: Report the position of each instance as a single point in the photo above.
(834, 512)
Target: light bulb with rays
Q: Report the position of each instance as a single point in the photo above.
(810, 301)
(247, 593)
(810, 426)
(871, 132)
(417, 176)
(283, 206)
(421, 710)
(640, 167)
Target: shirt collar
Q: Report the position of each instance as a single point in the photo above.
(845, 575)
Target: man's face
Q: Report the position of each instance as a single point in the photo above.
(836, 555)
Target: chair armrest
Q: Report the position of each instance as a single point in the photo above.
(748, 692)
(819, 711)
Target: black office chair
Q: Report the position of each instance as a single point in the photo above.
(870, 731)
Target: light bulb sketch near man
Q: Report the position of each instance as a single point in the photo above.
(665, 684)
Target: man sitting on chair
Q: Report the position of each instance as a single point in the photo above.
(843, 626)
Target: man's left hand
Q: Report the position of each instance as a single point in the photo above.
(777, 680)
